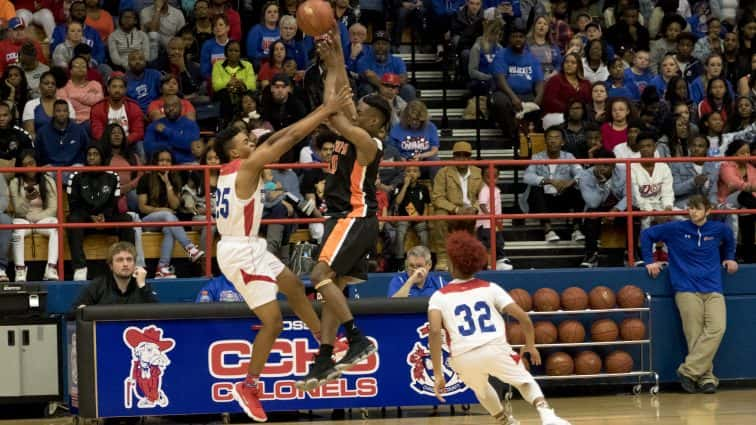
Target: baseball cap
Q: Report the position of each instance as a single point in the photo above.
(16, 23)
(282, 78)
(390, 79)
(117, 75)
(463, 147)
(381, 35)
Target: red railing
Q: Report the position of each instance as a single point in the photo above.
(492, 216)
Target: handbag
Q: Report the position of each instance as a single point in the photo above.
(303, 258)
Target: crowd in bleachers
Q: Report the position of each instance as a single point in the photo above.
(149, 82)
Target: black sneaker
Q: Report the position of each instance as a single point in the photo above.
(590, 260)
(687, 384)
(358, 351)
(708, 388)
(322, 371)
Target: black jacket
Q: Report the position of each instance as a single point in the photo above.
(13, 140)
(104, 290)
(94, 193)
(467, 27)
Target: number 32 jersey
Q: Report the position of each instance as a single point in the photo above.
(234, 216)
(470, 311)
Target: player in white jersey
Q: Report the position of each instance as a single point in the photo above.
(468, 309)
(242, 255)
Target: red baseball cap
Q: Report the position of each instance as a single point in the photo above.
(391, 80)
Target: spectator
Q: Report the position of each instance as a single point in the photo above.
(222, 7)
(37, 203)
(416, 137)
(61, 142)
(713, 127)
(281, 109)
(671, 27)
(126, 283)
(78, 13)
(690, 67)
(653, 185)
(210, 157)
(744, 116)
(313, 180)
(482, 56)
(297, 50)
(410, 200)
(127, 38)
(552, 188)
(93, 70)
(13, 139)
(161, 22)
(142, 83)
(614, 131)
(440, 15)
(667, 71)
(639, 74)
(119, 153)
(39, 111)
(695, 271)
(214, 49)
(595, 60)
(14, 41)
(712, 42)
(174, 133)
(93, 198)
(169, 86)
(186, 71)
(695, 178)
(543, 47)
(82, 93)
(677, 94)
(276, 205)
(717, 99)
(344, 13)
(14, 90)
(701, 14)
(466, 27)
(574, 129)
(617, 86)
(389, 90)
(519, 79)
(678, 134)
(379, 61)
(33, 68)
(593, 139)
(628, 33)
(99, 19)
(597, 107)
(261, 36)
(418, 280)
(390, 177)
(736, 189)
(733, 64)
(713, 69)
(232, 77)
(218, 290)
(274, 64)
(158, 201)
(745, 83)
(567, 85)
(602, 188)
(201, 24)
(561, 32)
(630, 148)
(43, 13)
(455, 191)
(357, 48)
(483, 226)
(117, 108)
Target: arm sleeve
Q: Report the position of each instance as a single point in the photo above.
(728, 239)
(531, 177)
(680, 185)
(395, 284)
(501, 298)
(439, 193)
(136, 125)
(650, 236)
(668, 193)
(206, 67)
(250, 79)
(220, 77)
(473, 65)
(147, 294)
(591, 196)
(115, 55)
(436, 302)
(87, 296)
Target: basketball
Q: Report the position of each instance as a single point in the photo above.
(587, 363)
(632, 329)
(631, 296)
(559, 364)
(545, 332)
(602, 298)
(514, 334)
(522, 298)
(604, 330)
(571, 332)
(618, 362)
(574, 298)
(546, 299)
(315, 17)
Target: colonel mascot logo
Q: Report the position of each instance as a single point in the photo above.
(421, 367)
(148, 363)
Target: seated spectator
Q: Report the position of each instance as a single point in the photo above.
(416, 137)
(733, 63)
(379, 61)
(119, 153)
(161, 22)
(174, 133)
(169, 87)
(695, 178)
(410, 200)
(42, 13)
(299, 50)
(602, 188)
(82, 93)
(35, 201)
(390, 177)
(62, 141)
(712, 42)
(99, 19)
(449, 197)
(744, 115)
(389, 90)
(713, 127)
(232, 77)
(222, 7)
(214, 49)
(356, 49)
(593, 139)
(667, 71)
(440, 15)
(597, 107)
(274, 64)
(736, 189)
(39, 111)
(639, 74)
(652, 182)
(93, 198)
(543, 48)
(142, 83)
(712, 69)
(417, 280)
(519, 79)
(33, 68)
(210, 157)
(690, 67)
(628, 32)
(614, 131)
(94, 72)
(594, 62)
(14, 90)
(190, 82)
(466, 27)
(261, 36)
(574, 129)
(78, 14)
(218, 290)
(125, 283)
(677, 133)
(482, 55)
(700, 15)
(117, 108)
(566, 85)
(276, 206)
(617, 86)
(14, 41)
(126, 38)
(64, 51)
(559, 26)
(313, 180)
(717, 99)
(483, 226)
(745, 83)
(552, 188)
(13, 139)
(671, 27)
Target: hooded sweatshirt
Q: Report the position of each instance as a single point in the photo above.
(94, 192)
(61, 147)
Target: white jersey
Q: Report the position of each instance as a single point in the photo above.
(470, 311)
(234, 216)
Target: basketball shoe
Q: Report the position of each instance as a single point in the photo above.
(322, 371)
(248, 398)
(359, 350)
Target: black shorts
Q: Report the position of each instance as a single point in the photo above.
(346, 244)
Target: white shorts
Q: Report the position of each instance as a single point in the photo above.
(253, 270)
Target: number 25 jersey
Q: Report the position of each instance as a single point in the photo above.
(234, 216)
(470, 311)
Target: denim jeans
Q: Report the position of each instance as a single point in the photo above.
(170, 233)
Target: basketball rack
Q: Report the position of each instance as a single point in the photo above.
(645, 373)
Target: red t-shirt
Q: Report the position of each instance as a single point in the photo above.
(382, 199)
(611, 137)
(267, 72)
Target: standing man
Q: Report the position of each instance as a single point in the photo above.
(695, 273)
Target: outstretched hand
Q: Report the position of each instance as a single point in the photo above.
(329, 48)
(342, 100)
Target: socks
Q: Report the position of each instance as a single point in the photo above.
(251, 380)
(352, 333)
(326, 350)
(544, 411)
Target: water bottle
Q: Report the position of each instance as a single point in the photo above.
(205, 297)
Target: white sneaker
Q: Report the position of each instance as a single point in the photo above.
(548, 417)
(51, 273)
(194, 253)
(551, 236)
(165, 272)
(578, 236)
(80, 274)
(21, 273)
(504, 264)
(3, 276)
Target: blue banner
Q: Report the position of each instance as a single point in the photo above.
(170, 367)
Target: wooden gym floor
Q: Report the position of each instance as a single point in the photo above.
(728, 407)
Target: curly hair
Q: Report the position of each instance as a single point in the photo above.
(466, 253)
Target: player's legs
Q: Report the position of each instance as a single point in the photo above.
(292, 287)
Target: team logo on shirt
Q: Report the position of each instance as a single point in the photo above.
(148, 363)
(421, 367)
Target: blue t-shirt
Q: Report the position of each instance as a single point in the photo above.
(394, 65)
(485, 64)
(640, 81)
(259, 40)
(522, 71)
(627, 90)
(219, 289)
(145, 89)
(410, 142)
(210, 53)
(433, 282)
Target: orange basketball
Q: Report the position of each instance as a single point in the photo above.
(315, 17)
(571, 332)
(546, 299)
(514, 334)
(559, 364)
(604, 330)
(632, 329)
(587, 363)
(631, 296)
(522, 298)
(602, 298)
(545, 332)
(618, 362)
(574, 298)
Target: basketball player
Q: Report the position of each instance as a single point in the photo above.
(468, 309)
(351, 228)
(242, 255)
